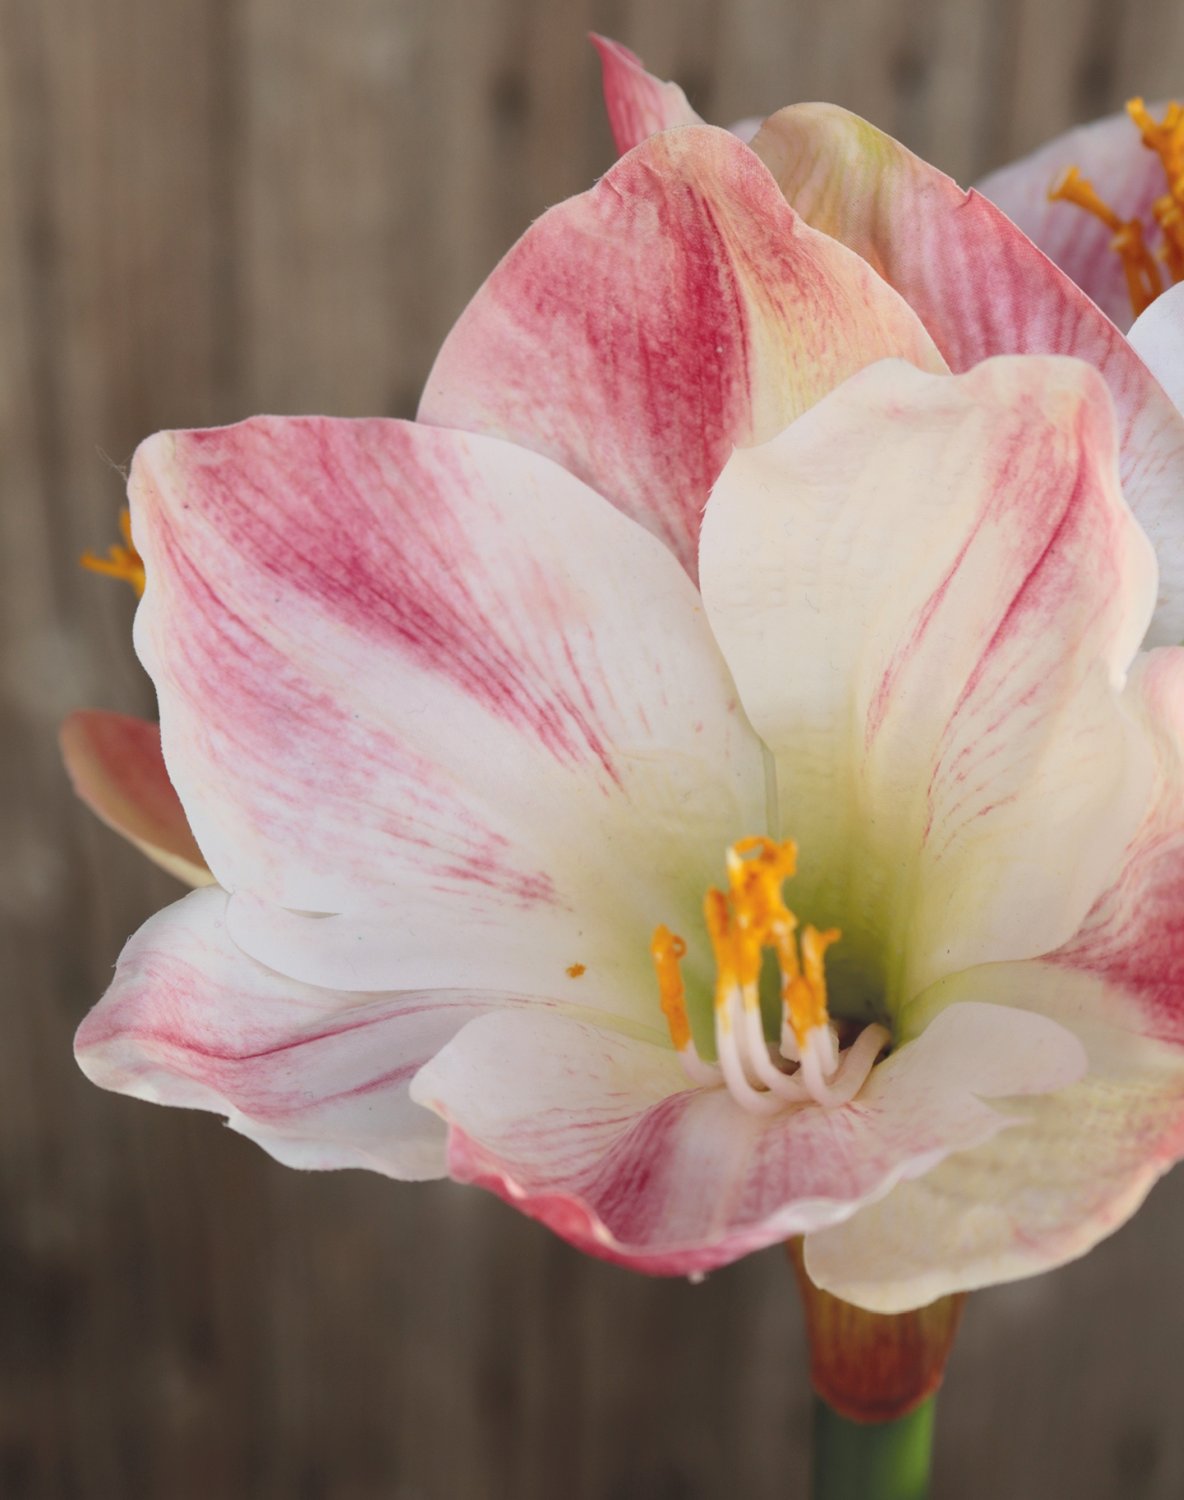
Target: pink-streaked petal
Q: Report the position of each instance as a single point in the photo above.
(316, 1077)
(1073, 1170)
(116, 768)
(391, 693)
(982, 288)
(941, 682)
(1157, 337)
(600, 1136)
(1133, 938)
(1081, 1162)
(636, 333)
(638, 104)
(1110, 153)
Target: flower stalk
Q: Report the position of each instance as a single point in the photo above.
(872, 1461)
(874, 1367)
(875, 1377)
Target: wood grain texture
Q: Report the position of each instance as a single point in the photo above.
(215, 207)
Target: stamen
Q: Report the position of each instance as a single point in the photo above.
(1144, 279)
(668, 952)
(1166, 138)
(742, 1088)
(744, 922)
(805, 993)
(854, 1066)
(122, 562)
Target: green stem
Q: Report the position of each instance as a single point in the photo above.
(872, 1460)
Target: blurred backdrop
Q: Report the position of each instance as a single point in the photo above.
(215, 207)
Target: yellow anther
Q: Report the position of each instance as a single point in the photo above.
(1072, 187)
(757, 869)
(122, 561)
(1165, 137)
(806, 994)
(743, 922)
(1144, 279)
(1170, 217)
(717, 914)
(668, 952)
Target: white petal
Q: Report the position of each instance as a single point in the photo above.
(1158, 339)
(929, 589)
(316, 1077)
(598, 1134)
(1073, 1168)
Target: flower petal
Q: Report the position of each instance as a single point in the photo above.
(388, 692)
(1133, 938)
(638, 104)
(1111, 154)
(316, 1077)
(981, 288)
(1073, 1170)
(599, 1135)
(639, 331)
(929, 590)
(1081, 1162)
(116, 768)
(1157, 337)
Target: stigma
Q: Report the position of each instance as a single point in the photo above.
(122, 560)
(744, 922)
(1148, 273)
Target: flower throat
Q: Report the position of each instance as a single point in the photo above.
(745, 922)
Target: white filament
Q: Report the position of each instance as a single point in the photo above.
(827, 1075)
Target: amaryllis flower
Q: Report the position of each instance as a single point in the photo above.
(698, 782)
(467, 752)
(979, 283)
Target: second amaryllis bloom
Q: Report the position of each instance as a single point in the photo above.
(813, 868)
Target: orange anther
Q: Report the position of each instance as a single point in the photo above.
(1144, 279)
(743, 922)
(668, 950)
(122, 561)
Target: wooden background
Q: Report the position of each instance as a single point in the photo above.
(214, 207)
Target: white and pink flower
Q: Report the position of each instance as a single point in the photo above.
(469, 716)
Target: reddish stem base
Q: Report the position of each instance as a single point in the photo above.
(874, 1367)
